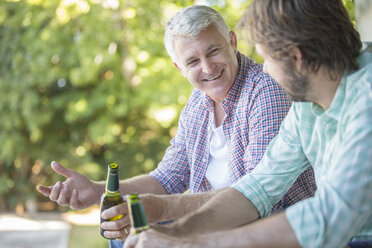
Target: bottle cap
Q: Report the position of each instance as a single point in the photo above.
(113, 178)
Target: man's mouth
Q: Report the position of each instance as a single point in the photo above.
(214, 78)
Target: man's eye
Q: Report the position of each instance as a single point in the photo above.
(192, 62)
(214, 52)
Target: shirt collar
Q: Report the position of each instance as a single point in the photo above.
(334, 111)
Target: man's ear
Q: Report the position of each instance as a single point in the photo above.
(296, 58)
(179, 68)
(233, 41)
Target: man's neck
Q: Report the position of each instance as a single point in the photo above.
(323, 88)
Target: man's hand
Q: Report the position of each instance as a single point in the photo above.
(120, 229)
(154, 239)
(76, 192)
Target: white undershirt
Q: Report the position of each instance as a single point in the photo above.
(217, 171)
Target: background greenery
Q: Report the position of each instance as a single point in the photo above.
(87, 83)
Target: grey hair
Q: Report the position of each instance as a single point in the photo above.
(189, 22)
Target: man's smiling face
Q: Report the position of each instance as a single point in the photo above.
(209, 62)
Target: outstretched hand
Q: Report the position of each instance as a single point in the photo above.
(76, 192)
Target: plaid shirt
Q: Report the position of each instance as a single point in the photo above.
(255, 107)
(338, 144)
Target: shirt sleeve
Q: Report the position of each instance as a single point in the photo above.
(269, 105)
(342, 204)
(173, 172)
(283, 162)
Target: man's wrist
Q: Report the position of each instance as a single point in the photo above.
(154, 206)
(99, 189)
(181, 228)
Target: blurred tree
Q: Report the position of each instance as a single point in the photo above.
(86, 83)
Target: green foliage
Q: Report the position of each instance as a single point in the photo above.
(349, 4)
(87, 83)
(84, 83)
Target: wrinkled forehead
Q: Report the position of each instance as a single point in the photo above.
(204, 41)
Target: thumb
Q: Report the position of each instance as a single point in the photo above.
(44, 190)
(62, 170)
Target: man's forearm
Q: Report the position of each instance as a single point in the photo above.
(227, 209)
(273, 231)
(141, 184)
(175, 206)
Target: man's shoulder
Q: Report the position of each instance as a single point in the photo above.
(262, 85)
(254, 77)
(195, 103)
(249, 68)
(358, 95)
(197, 96)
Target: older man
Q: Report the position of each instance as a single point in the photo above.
(232, 114)
(313, 50)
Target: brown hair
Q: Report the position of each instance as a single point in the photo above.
(321, 29)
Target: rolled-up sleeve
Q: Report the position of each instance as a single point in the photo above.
(283, 161)
(173, 171)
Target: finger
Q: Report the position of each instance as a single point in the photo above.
(54, 194)
(115, 225)
(131, 241)
(126, 234)
(74, 203)
(62, 170)
(121, 209)
(120, 234)
(44, 190)
(64, 195)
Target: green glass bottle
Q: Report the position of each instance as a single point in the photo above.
(112, 196)
(137, 214)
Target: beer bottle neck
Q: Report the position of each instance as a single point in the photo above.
(112, 183)
(137, 214)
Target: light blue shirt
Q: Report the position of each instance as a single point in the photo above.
(337, 143)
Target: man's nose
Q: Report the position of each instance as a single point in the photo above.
(207, 66)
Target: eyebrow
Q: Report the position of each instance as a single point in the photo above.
(210, 47)
(189, 59)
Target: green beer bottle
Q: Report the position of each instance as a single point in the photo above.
(112, 196)
(137, 214)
